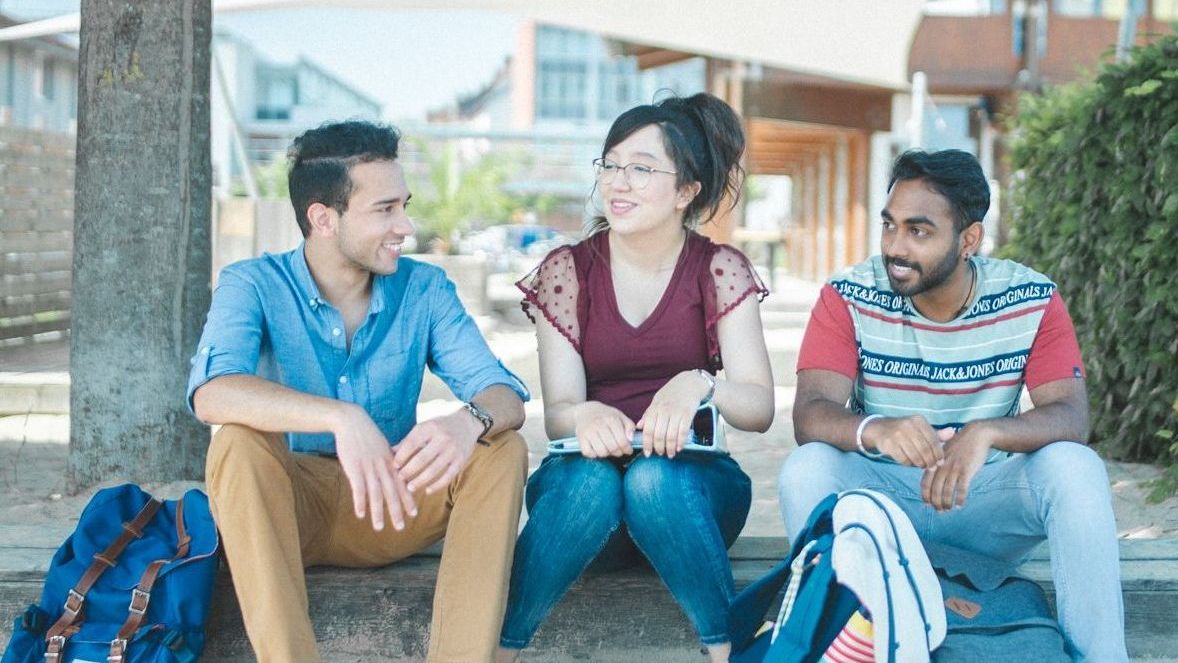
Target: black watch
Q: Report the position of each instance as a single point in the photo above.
(484, 418)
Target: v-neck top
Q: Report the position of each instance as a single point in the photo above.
(625, 365)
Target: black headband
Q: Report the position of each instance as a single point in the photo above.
(687, 125)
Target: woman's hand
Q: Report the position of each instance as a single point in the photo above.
(602, 430)
(667, 421)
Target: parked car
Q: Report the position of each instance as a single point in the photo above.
(504, 244)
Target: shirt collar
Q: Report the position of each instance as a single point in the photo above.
(302, 277)
(310, 290)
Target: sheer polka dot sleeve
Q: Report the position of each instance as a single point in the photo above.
(553, 289)
(735, 280)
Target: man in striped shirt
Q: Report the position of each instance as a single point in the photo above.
(909, 380)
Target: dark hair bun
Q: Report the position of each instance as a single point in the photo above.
(724, 143)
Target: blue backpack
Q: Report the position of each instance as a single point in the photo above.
(994, 614)
(131, 584)
(866, 538)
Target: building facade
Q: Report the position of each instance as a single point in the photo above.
(552, 103)
(258, 106)
(38, 83)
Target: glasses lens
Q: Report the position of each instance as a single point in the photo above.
(638, 175)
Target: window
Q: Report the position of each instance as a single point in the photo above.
(277, 93)
(619, 86)
(48, 86)
(562, 90)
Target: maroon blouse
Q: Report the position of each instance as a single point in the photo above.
(625, 365)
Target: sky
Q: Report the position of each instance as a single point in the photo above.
(411, 61)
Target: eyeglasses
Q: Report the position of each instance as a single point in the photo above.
(638, 175)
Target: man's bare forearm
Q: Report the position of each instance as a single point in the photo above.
(1037, 427)
(266, 406)
(504, 406)
(819, 419)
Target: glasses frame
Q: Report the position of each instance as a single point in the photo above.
(599, 172)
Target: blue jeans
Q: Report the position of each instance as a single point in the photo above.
(681, 514)
(1059, 493)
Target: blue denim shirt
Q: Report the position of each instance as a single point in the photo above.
(268, 319)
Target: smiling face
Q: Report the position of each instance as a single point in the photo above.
(660, 202)
(371, 231)
(921, 248)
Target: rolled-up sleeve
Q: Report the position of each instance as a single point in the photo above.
(231, 340)
(458, 353)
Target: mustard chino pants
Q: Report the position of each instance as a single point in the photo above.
(279, 512)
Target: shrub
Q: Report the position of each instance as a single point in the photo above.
(1096, 208)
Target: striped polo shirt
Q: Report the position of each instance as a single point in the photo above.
(1016, 332)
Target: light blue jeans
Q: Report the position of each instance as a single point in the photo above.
(680, 514)
(1059, 493)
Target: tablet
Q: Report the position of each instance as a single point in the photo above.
(706, 435)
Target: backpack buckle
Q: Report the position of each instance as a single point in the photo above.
(73, 602)
(139, 601)
(54, 649)
(118, 647)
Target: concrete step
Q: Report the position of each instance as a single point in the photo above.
(383, 614)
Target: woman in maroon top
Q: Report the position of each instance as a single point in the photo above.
(634, 321)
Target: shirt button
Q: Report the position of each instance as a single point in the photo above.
(335, 332)
(343, 379)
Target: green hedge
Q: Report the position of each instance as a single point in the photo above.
(1095, 206)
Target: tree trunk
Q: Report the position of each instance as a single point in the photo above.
(141, 239)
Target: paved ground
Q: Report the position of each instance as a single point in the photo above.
(33, 447)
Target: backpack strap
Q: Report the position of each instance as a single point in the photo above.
(797, 569)
(141, 593)
(883, 567)
(71, 618)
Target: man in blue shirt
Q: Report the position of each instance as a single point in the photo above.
(312, 360)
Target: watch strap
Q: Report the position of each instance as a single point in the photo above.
(484, 418)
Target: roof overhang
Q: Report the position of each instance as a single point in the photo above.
(855, 41)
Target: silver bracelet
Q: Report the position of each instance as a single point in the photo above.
(859, 435)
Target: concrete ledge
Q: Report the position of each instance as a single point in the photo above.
(34, 393)
(383, 614)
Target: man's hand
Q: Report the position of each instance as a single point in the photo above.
(667, 421)
(602, 430)
(965, 452)
(367, 462)
(908, 440)
(435, 451)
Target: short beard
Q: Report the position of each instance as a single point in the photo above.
(924, 282)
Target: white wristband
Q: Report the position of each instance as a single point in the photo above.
(859, 435)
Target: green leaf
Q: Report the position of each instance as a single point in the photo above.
(1170, 209)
